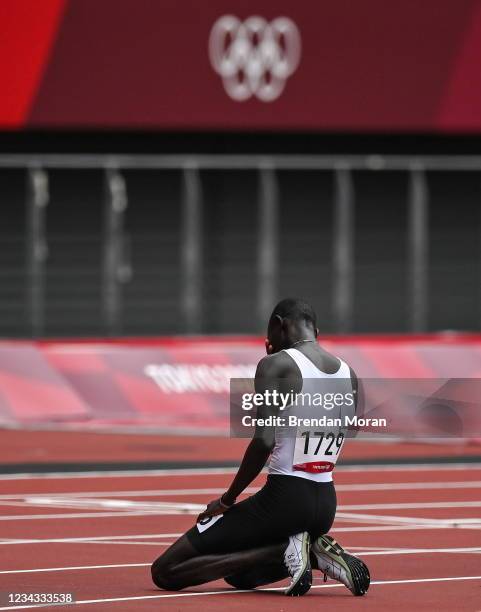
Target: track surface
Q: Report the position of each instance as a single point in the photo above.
(44, 448)
(418, 528)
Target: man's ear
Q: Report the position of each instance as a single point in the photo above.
(278, 319)
(316, 332)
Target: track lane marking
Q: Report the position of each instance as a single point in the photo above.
(90, 538)
(393, 520)
(130, 543)
(429, 467)
(395, 486)
(420, 551)
(122, 508)
(427, 527)
(352, 529)
(412, 505)
(234, 591)
(397, 551)
(184, 507)
(73, 568)
(76, 515)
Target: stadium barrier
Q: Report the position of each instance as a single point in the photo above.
(182, 384)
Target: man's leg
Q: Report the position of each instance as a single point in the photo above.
(331, 559)
(182, 566)
(258, 576)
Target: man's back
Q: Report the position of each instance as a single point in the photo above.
(305, 447)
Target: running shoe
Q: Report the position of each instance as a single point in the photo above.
(298, 564)
(339, 565)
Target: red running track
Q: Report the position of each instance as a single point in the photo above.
(44, 447)
(418, 528)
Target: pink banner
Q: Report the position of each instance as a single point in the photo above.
(183, 384)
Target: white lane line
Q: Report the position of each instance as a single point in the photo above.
(397, 551)
(132, 493)
(415, 527)
(360, 549)
(430, 467)
(420, 551)
(394, 486)
(126, 507)
(234, 591)
(393, 520)
(114, 504)
(412, 505)
(158, 544)
(100, 539)
(362, 528)
(72, 515)
(71, 504)
(73, 568)
(402, 486)
(347, 516)
(123, 506)
(120, 474)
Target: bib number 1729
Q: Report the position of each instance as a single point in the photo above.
(330, 443)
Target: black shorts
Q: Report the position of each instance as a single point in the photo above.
(284, 506)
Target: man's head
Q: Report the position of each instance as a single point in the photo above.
(291, 320)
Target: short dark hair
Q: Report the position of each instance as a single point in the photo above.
(295, 309)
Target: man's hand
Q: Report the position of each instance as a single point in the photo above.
(214, 508)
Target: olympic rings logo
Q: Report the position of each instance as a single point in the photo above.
(254, 57)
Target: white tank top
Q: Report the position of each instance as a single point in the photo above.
(289, 445)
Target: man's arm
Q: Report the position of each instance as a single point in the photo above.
(268, 374)
(358, 401)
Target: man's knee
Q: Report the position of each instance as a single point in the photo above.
(163, 576)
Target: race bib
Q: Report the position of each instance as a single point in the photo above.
(204, 524)
(317, 451)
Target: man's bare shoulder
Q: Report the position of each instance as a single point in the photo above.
(278, 371)
(278, 365)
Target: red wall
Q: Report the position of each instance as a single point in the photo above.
(371, 65)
